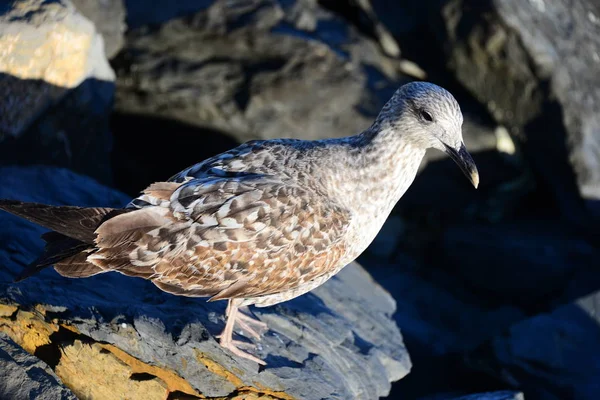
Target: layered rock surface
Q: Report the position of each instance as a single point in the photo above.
(25, 376)
(533, 64)
(563, 362)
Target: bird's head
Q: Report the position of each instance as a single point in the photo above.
(429, 116)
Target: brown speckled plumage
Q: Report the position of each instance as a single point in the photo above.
(269, 220)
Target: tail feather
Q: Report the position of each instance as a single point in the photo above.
(75, 222)
(77, 267)
(72, 239)
(58, 248)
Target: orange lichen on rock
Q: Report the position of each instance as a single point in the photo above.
(92, 372)
(246, 392)
(173, 381)
(27, 329)
(99, 371)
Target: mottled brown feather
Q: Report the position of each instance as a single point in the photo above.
(225, 237)
(161, 190)
(77, 266)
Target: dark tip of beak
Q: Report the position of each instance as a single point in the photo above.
(464, 160)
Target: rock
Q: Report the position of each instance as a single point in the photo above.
(526, 263)
(33, 32)
(109, 18)
(111, 334)
(532, 64)
(54, 110)
(441, 318)
(551, 356)
(139, 14)
(134, 160)
(257, 69)
(460, 284)
(362, 14)
(26, 377)
(502, 395)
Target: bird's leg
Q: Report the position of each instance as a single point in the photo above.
(226, 337)
(250, 325)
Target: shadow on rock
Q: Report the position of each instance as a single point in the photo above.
(41, 123)
(145, 145)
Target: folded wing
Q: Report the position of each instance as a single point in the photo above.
(228, 237)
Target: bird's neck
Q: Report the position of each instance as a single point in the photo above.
(380, 166)
(368, 177)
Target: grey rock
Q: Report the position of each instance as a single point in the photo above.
(54, 110)
(257, 69)
(501, 395)
(364, 16)
(26, 377)
(109, 18)
(550, 356)
(337, 342)
(440, 318)
(504, 395)
(33, 32)
(525, 263)
(534, 66)
(139, 14)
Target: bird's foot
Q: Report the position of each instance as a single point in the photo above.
(251, 326)
(239, 344)
(234, 345)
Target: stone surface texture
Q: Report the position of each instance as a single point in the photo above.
(108, 16)
(50, 42)
(562, 363)
(257, 69)
(56, 88)
(25, 376)
(533, 64)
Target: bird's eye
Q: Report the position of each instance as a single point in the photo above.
(425, 116)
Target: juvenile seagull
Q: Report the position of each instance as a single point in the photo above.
(262, 223)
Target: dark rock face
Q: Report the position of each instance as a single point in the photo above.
(73, 133)
(532, 63)
(27, 377)
(552, 355)
(505, 395)
(257, 70)
(502, 395)
(337, 342)
(526, 263)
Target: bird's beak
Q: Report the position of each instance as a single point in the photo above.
(465, 162)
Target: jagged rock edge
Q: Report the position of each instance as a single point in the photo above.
(23, 327)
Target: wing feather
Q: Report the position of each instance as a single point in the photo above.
(225, 237)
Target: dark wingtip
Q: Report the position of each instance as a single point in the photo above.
(6, 203)
(26, 273)
(22, 276)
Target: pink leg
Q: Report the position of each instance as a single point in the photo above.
(251, 326)
(226, 337)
